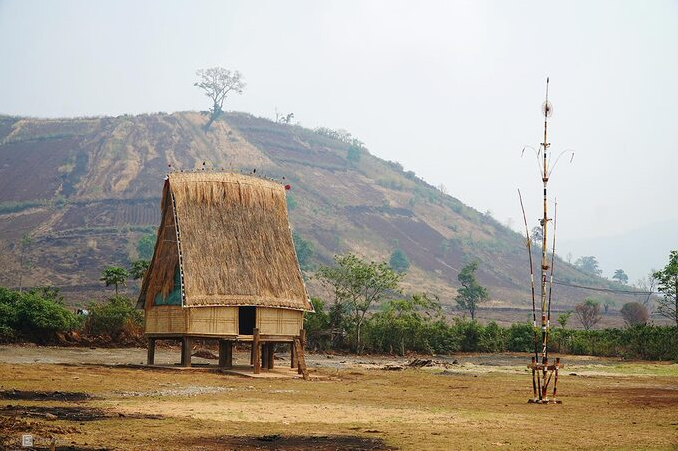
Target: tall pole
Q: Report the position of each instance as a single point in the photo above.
(544, 224)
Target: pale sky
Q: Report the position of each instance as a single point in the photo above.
(452, 90)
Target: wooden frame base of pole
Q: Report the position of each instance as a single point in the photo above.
(542, 375)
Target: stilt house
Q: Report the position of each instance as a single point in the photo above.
(224, 267)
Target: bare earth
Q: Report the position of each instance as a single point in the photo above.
(85, 399)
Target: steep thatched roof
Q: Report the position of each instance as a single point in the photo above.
(234, 243)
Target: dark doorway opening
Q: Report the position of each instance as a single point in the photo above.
(246, 320)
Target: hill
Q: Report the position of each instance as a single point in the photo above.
(85, 193)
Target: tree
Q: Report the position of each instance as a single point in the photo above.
(620, 276)
(114, 275)
(607, 303)
(589, 264)
(563, 318)
(399, 261)
(588, 313)
(359, 285)
(634, 313)
(471, 293)
(146, 246)
(648, 285)
(353, 154)
(138, 268)
(217, 83)
(667, 284)
(305, 251)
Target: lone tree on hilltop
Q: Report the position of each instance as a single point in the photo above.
(634, 313)
(471, 293)
(217, 83)
(620, 276)
(114, 275)
(588, 313)
(358, 285)
(667, 284)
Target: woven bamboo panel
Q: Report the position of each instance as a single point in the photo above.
(165, 319)
(216, 320)
(276, 321)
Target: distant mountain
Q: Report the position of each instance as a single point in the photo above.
(85, 192)
(636, 252)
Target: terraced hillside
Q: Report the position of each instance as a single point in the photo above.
(84, 192)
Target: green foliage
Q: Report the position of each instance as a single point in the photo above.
(470, 293)
(37, 315)
(138, 268)
(305, 251)
(620, 276)
(146, 246)
(353, 154)
(588, 264)
(318, 326)
(113, 317)
(399, 261)
(291, 202)
(667, 284)
(358, 285)
(114, 275)
(563, 319)
(520, 337)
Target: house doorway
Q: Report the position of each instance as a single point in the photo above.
(247, 317)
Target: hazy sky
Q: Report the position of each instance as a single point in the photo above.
(452, 90)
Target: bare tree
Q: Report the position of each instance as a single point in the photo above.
(648, 284)
(217, 83)
(588, 313)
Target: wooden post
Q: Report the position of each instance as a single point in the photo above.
(150, 356)
(265, 349)
(186, 348)
(225, 354)
(293, 356)
(300, 352)
(256, 350)
(271, 356)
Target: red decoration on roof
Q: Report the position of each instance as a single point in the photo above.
(288, 187)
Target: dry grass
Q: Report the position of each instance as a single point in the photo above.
(409, 409)
(236, 244)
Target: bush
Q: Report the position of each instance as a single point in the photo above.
(37, 315)
(520, 337)
(116, 316)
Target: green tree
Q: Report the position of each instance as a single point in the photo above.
(353, 154)
(399, 261)
(359, 285)
(620, 276)
(138, 268)
(589, 264)
(305, 251)
(146, 246)
(563, 318)
(588, 313)
(114, 275)
(634, 313)
(471, 293)
(667, 284)
(217, 83)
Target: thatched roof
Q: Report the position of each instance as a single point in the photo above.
(234, 243)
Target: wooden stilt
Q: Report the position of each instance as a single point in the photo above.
(186, 348)
(293, 356)
(150, 356)
(225, 354)
(265, 348)
(299, 351)
(271, 356)
(256, 349)
(229, 354)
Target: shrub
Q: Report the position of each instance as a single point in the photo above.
(520, 337)
(112, 318)
(39, 319)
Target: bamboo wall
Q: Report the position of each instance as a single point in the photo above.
(219, 320)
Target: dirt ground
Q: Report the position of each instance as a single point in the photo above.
(89, 399)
